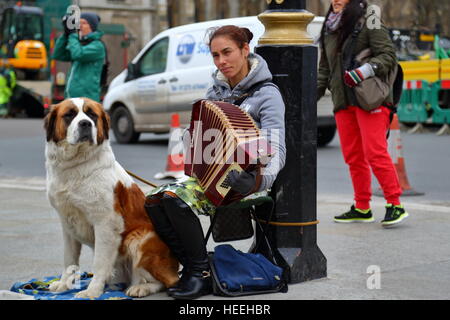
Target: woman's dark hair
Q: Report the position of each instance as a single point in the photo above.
(237, 34)
(353, 11)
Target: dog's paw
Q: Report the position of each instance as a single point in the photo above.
(89, 294)
(70, 276)
(58, 286)
(143, 290)
(72, 269)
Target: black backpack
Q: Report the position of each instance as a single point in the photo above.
(105, 69)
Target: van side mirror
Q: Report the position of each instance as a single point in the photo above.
(132, 72)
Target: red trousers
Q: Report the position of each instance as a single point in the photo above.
(364, 146)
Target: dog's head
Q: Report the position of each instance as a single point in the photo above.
(77, 120)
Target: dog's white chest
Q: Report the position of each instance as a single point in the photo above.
(75, 220)
(80, 228)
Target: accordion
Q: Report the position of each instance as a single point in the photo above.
(223, 137)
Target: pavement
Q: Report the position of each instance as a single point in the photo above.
(364, 261)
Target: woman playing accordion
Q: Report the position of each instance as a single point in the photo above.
(242, 78)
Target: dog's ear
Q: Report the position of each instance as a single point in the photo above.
(106, 124)
(102, 124)
(50, 122)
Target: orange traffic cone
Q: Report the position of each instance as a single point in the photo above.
(175, 158)
(395, 149)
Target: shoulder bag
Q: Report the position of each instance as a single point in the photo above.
(372, 92)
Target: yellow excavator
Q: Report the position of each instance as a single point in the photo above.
(22, 40)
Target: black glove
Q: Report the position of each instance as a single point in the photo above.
(242, 182)
(68, 29)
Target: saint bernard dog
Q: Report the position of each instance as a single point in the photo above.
(99, 205)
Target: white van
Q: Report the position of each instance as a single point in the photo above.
(173, 70)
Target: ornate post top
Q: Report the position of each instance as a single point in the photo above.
(286, 22)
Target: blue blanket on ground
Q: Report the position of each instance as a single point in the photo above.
(39, 289)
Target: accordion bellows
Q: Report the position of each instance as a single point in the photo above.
(223, 137)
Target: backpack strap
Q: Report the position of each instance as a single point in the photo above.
(349, 57)
(106, 52)
(348, 51)
(237, 100)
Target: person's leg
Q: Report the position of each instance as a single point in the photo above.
(376, 124)
(189, 231)
(166, 232)
(353, 153)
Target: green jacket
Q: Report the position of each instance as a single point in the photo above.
(331, 69)
(87, 63)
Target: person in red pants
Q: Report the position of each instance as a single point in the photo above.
(362, 133)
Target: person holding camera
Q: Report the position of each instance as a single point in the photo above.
(83, 47)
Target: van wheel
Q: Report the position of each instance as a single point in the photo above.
(123, 126)
(325, 135)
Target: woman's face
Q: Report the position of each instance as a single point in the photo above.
(230, 59)
(339, 5)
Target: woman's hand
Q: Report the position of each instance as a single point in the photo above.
(243, 182)
(354, 77)
(65, 23)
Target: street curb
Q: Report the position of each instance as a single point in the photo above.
(39, 184)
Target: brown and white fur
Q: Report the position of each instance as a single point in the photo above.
(99, 205)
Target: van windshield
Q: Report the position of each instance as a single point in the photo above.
(155, 59)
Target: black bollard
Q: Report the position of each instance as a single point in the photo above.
(292, 59)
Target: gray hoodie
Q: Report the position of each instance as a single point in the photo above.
(265, 106)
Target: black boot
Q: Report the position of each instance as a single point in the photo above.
(165, 231)
(196, 280)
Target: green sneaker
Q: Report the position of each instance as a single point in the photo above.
(355, 215)
(394, 215)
